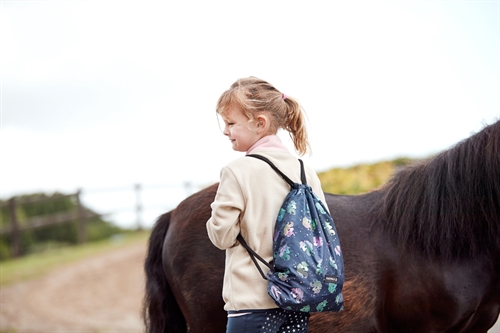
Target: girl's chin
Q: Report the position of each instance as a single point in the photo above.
(235, 148)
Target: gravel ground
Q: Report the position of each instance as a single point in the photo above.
(96, 295)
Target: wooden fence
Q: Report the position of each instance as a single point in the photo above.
(79, 216)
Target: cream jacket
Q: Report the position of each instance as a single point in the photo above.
(248, 200)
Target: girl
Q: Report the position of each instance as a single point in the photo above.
(249, 197)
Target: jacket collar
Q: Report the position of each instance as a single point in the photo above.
(269, 142)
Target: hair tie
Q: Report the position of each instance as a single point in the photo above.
(284, 96)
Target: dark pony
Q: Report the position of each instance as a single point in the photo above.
(421, 254)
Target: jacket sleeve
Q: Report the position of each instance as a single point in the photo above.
(223, 226)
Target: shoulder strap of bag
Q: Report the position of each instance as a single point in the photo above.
(275, 168)
(254, 256)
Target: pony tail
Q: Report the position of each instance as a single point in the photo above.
(295, 125)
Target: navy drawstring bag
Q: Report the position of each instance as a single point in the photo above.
(307, 271)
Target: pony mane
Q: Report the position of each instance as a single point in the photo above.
(447, 207)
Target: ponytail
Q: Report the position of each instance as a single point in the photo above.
(294, 123)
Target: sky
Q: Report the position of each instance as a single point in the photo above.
(103, 95)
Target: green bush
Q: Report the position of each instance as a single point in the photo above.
(4, 250)
(360, 178)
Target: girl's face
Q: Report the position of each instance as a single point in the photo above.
(242, 132)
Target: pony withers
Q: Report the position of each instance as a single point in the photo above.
(307, 273)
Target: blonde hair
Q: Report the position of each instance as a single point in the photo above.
(255, 96)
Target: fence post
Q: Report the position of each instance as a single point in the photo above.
(81, 219)
(14, 229)
(138, 206)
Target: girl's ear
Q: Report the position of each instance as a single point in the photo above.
(262, 123)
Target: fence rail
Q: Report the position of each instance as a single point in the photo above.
(48, 220)
(22, 201)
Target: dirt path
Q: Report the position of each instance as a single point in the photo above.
(96, 295)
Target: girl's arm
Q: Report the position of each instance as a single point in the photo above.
(223, 226)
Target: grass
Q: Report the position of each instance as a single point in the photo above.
(36, 265)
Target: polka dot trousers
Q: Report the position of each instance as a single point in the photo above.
(267, 321)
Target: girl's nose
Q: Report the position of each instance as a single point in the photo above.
(225, 131)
